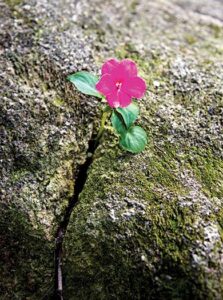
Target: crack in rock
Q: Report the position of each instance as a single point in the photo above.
(61, 231)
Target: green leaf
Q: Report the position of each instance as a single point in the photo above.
(129, 114)
(118, 122)
(134, 140)
(85, 82)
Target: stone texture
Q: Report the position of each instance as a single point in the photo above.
(44, 127)
(148, 226)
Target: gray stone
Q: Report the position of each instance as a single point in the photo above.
(147, 226)
(44, 127)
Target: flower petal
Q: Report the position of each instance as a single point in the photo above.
(129, 67)
(109, 66)
(118, 99)
(113, 100)
(124, 99)
(135, 87)
(105, 85)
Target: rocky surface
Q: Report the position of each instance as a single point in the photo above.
(44, 136)
(147, 226)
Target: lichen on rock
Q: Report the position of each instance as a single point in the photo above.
(150, 226)
(44, 133)
(147, 226)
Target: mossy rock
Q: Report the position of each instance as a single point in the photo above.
(44, 137)
(147, 226)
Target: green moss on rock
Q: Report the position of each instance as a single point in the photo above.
(13, 3)
(147, 226)
(25, 253)
(135, 235)
(208, 169)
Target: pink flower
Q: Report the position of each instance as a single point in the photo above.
(119, 82)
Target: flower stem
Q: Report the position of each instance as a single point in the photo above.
(106, 113)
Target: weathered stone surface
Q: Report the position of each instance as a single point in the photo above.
(148, 226)
(44, 133)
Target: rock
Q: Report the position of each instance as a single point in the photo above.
(44, 127)
(147, 226)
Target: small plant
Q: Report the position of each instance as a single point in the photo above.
(118, 84)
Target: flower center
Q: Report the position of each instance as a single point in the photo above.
(118, 85)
